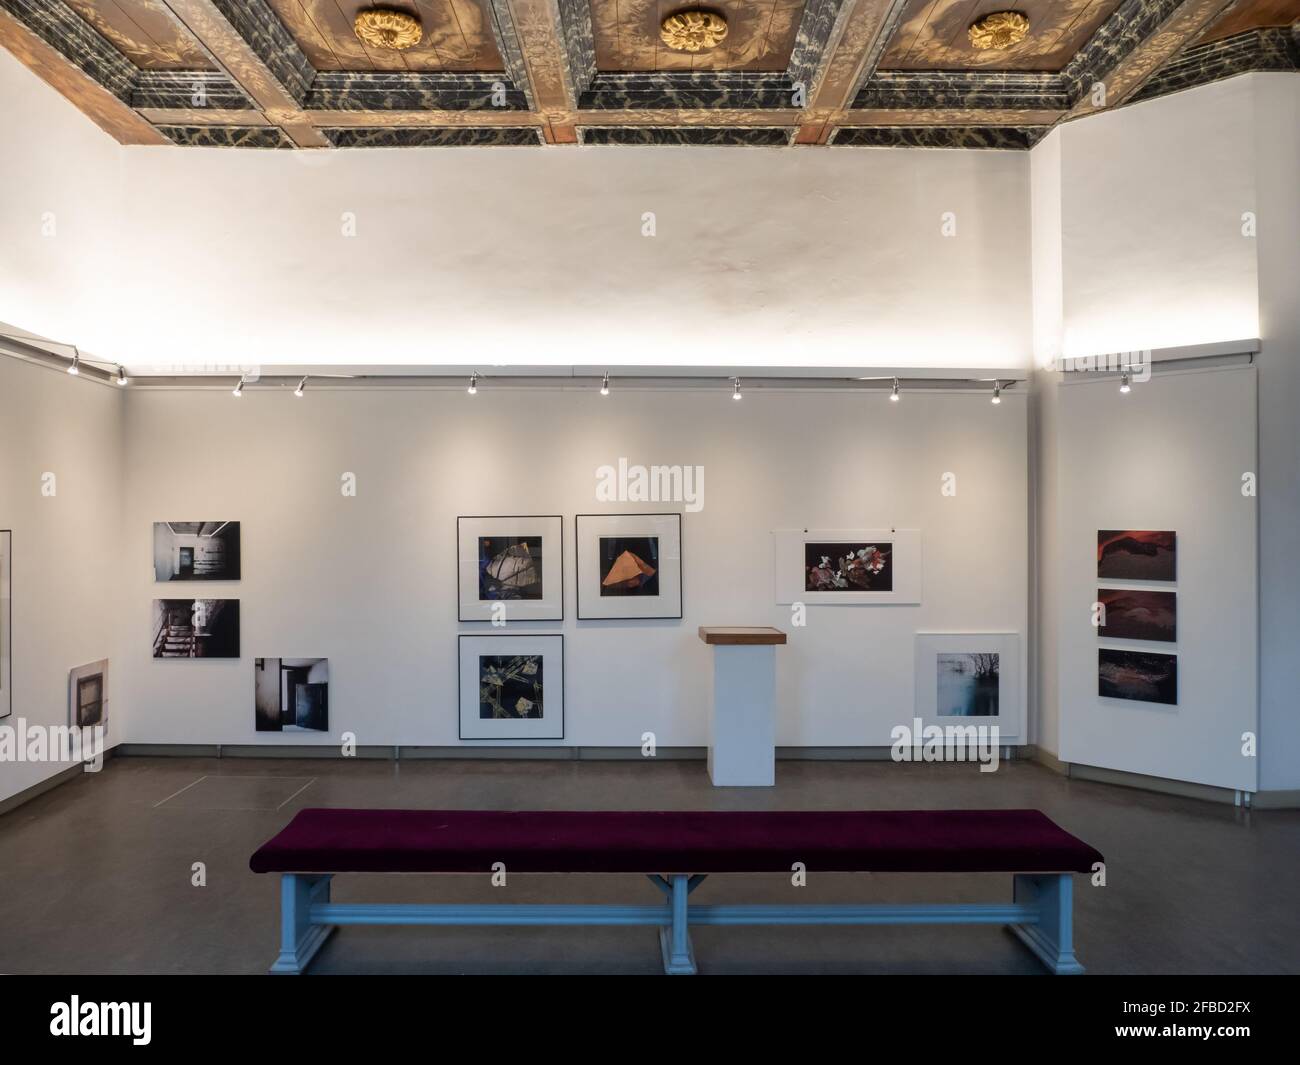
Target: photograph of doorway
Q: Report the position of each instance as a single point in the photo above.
(291, 694)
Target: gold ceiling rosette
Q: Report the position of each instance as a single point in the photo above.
(694, 30)
(1001, 29)
(382, 27)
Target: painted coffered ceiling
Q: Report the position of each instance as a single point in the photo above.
(838, 73)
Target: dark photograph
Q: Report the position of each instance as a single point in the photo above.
(510, 686)
(196, 628)
(509, 567)
(968, 684)
(629, 565)
(196, 550)
(1137, 614)
(1137, 555)
(291, 694)
(848, 567)
(1142, 676)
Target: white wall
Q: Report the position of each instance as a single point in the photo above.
(1277, 166)
(512, 255)
(1170, 455)
(1152, 197)
(65, 560)
(370, 582)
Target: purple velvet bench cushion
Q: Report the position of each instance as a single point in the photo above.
(653, 841)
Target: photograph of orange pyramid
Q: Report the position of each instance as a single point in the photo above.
(623, 566)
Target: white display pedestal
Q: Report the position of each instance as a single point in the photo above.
(742, 725)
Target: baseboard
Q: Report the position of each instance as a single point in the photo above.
(63, 776)
(568, 754)
(1182, 788)
(1047, 758)
(1281, 799)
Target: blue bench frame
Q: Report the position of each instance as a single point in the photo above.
(1040, 915)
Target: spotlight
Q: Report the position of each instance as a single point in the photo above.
(1124, 385)
(997, 392)
(238, 390)
(604, 386)
(473, 384)
(121, 377)
(736, 393)
(893, 394)
(75, 368)
(301, 385)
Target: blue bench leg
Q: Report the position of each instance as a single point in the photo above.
(299, 938)
(675, 939)
(1052, 938)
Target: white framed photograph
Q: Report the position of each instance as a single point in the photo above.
(970, 678)
(88, 695)
(511, 687)
(848, 567)
(511, 567)
(629, 566)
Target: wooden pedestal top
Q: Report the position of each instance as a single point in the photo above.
(741, 635)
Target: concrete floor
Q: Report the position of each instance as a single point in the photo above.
(96, 874)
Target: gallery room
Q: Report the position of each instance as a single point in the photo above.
(505, 487)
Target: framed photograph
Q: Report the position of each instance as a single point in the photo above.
(1138, 614)
(1137, 555)
(196, 628)
(1141, 676)
(196, 550)
(853, 567)
(88, 695)
(291, 694)
(512, 687)
(629, 566)
(511, 567)
(969, 678)
(6, 624)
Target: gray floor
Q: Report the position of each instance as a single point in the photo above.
(97, 874)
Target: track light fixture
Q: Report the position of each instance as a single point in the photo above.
(121, 378)
(1124, 385)
(75, 368)
(997, 392)
(299, 390)
(473, 384)
(894, 393)
(736, 394)
(604, 384)
(238, 390)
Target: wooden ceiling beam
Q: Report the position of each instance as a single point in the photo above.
(1128, 75)
(108, 111)
(537, 23)
(252, 72)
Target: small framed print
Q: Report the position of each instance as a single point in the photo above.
(511, 567)
(969, 679)
(848, 567)
(629, 566)
(512, 687)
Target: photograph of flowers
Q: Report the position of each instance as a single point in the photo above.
(848, 567)
(511, 687)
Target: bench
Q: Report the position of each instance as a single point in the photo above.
(676, 850)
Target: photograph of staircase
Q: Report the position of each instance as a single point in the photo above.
(196, 628)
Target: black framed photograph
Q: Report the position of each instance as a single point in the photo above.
(1137, 554)
(510, 568)
(511, 687)
(1140, 676)
(629, 566)
(196, 551)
